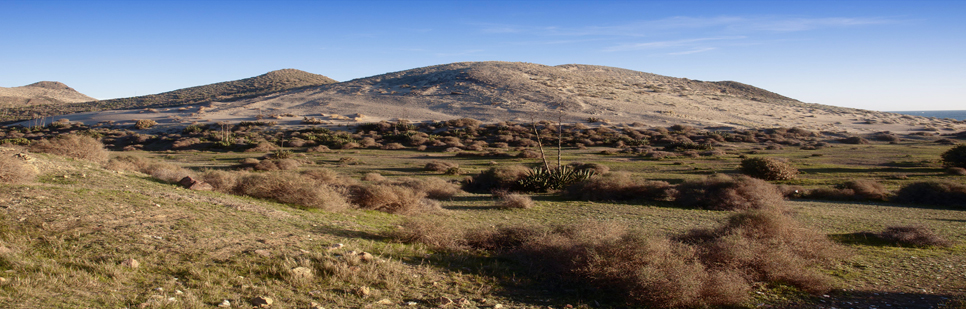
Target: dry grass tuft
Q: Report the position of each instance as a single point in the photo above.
(164, 171)
(619, 186)
(431, 231)
(768, 169)
(222, 181)
(515, 200)
(14, 170)
(726, 193)
(861, 189)
(373, 177)
(440, 166)
(433, 187)
(916, 236)
(74, 146)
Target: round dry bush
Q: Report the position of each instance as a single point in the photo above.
(528, 154)
(288, 164)
(726, 193)
(435, 232)
(373, 177)
(439, 166)
(350, 145)
(867, 189)
(619, 186)
(433, 187)
(160, 170)
(597, 168)
(293, 189)
(916, 236)
(958, 171)
(768, 169)
(262, 147)
(266, 165)
(514, 200)
(222, 181)
(75, 146)
(329, 177)
(855, 140)
(955, 157)
(500, 177)
(393, 146)
(319, 148)
(387, 198)
(14, 170)
(933, 193)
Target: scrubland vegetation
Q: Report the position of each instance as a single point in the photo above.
(465, 214)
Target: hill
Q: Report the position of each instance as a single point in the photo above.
(41, 93)
(270, 82)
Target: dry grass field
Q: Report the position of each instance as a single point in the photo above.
(337, 219)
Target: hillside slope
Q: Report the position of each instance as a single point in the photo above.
(270, 82)
(41, 93)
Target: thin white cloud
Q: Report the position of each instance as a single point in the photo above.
(667, 44)
(693, 51)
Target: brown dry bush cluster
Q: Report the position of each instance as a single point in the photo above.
(860, 189)
(440, 166)
(14, 170)
(164, 171)
(714, 267)
(948, 194)
(500, 177)
(619, 186)
(511, 200)
(726, 193)
(292, 188)
(768, 169)
(916, 236)
(74, 146)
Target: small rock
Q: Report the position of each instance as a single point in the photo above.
(463, 302)
(443, 301)
(3, 280)
(302, 273)
(132, 263)
(263, 252)
(411, 304)
(363, 291)
(384, 301)
(366, 257)
(336, 246)
(497, 306)
(261, 302)
(224, 304)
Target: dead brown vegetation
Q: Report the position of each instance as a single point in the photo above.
(14, 170)
(727, 193)
(915, 236)
(619, 186)
(74, 146)
(292, 188)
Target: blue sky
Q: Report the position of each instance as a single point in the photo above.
(879, 55)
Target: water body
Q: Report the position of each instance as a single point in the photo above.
(958, 115)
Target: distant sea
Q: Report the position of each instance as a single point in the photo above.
(958, 115)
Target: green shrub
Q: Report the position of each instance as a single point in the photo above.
(768, 169)
(955, 157)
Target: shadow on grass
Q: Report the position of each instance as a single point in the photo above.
(861, 238)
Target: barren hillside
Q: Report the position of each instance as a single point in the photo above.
(45, 92)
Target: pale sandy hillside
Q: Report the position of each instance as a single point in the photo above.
(40, 93)
(499, 91)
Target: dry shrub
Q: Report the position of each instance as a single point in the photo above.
(855, 140)
(769, 246)
(222, 181)
(266, 165)
(439, 166)
(768, 169)
(916, 236)
(373, 177)
(515, 200)
(726, 193)
(431, 231)
(619, 186)
(933, 193)
(393, 146)
(528, 154)
(291, 188)
(387, 198)
(597, 168)
(955, 157)
(958, 171)
(500, 177)
(319, 148)
(161, 170)
(14, 170)
(262, 147)
(861, 189)
(329, 177)
(74, 146)
(433, 187)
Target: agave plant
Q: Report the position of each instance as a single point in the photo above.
(542, 179)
